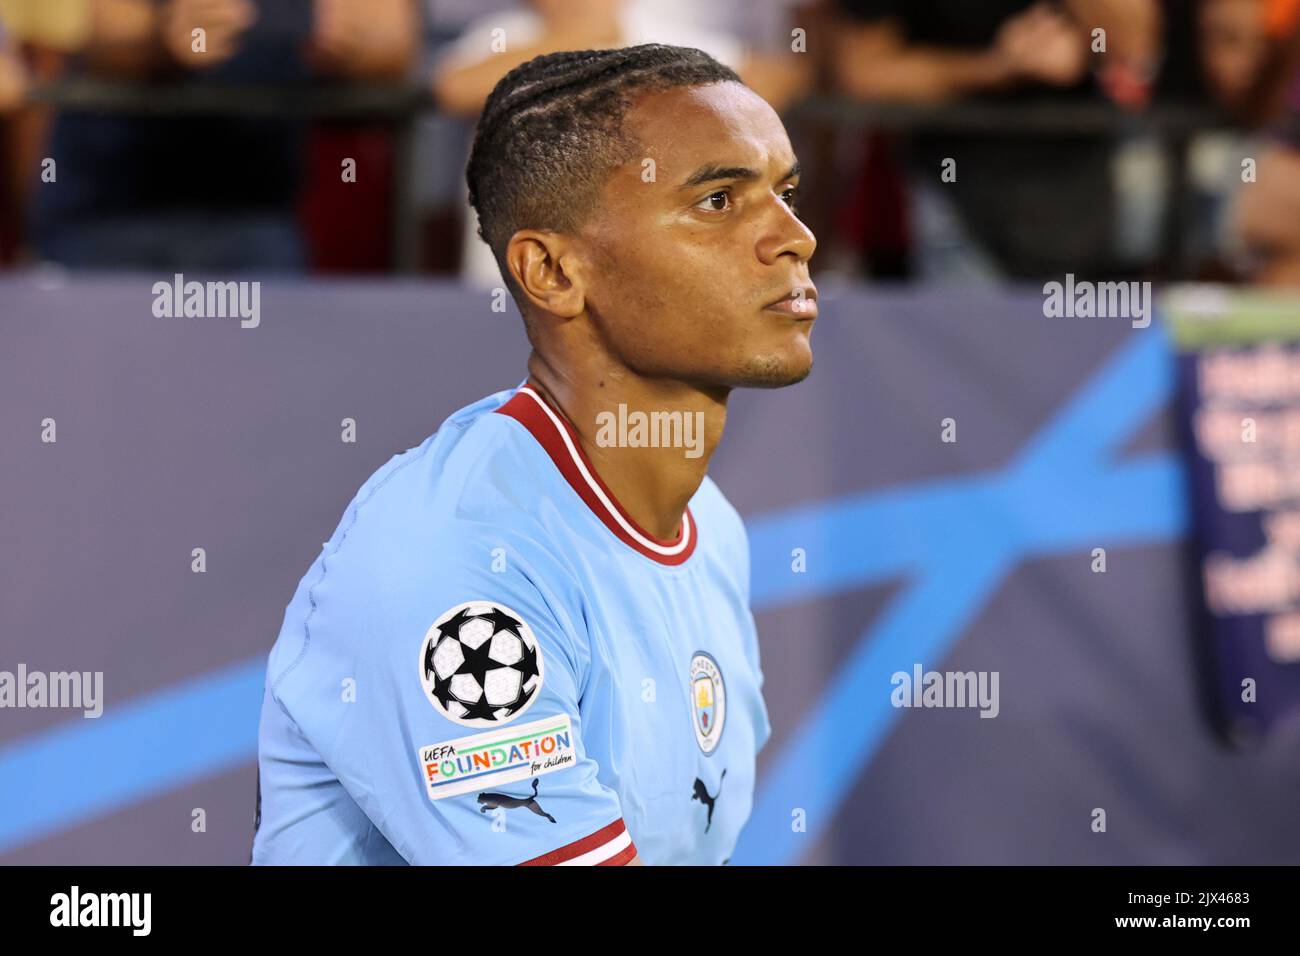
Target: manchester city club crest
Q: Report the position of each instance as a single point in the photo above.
(480, 664)
(708, 701)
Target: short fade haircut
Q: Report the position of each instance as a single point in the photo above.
(551, 132)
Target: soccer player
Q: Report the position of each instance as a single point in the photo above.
(529, 640)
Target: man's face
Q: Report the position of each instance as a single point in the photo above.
(693, 242)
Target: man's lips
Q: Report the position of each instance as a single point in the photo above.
(801, 302)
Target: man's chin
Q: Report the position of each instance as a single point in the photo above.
(774, 371)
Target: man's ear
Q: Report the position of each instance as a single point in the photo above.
(547, 266)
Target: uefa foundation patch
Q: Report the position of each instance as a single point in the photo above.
(497, 757)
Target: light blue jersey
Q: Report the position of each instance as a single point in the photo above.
(491, 663)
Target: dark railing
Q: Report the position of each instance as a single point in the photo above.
(400, 106)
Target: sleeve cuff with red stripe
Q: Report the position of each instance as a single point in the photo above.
(609, 846)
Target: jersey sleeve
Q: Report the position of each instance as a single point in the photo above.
(444, 692)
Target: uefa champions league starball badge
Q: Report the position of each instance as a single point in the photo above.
(708, 701)
(480, 664)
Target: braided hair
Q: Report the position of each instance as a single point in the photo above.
(551, 132)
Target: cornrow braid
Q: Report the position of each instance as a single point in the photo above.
(552, 131)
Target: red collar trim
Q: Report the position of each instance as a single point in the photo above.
(557, 437)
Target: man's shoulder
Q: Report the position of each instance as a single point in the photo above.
(449, 518)
(470, 480)
(431, 581)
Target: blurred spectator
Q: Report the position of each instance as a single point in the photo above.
(497, 43)
(13, 82)
(13, 78)
(1267, 218)
(202, 193)
(493, 45)
(1233, 41)
(1021, 206)
(1215, 54)
(1134, 31)
(1267, 214)
(22, 129)
(1241, 56)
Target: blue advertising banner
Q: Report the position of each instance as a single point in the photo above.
(1239, 400)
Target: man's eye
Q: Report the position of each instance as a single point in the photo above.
(712, 201)
(791, 196)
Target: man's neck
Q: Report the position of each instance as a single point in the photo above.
(652, 484)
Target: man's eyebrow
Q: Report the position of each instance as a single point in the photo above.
(714, 173)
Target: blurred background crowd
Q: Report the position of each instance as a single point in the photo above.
(1138, 138)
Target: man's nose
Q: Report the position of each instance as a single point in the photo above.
(787, 235)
